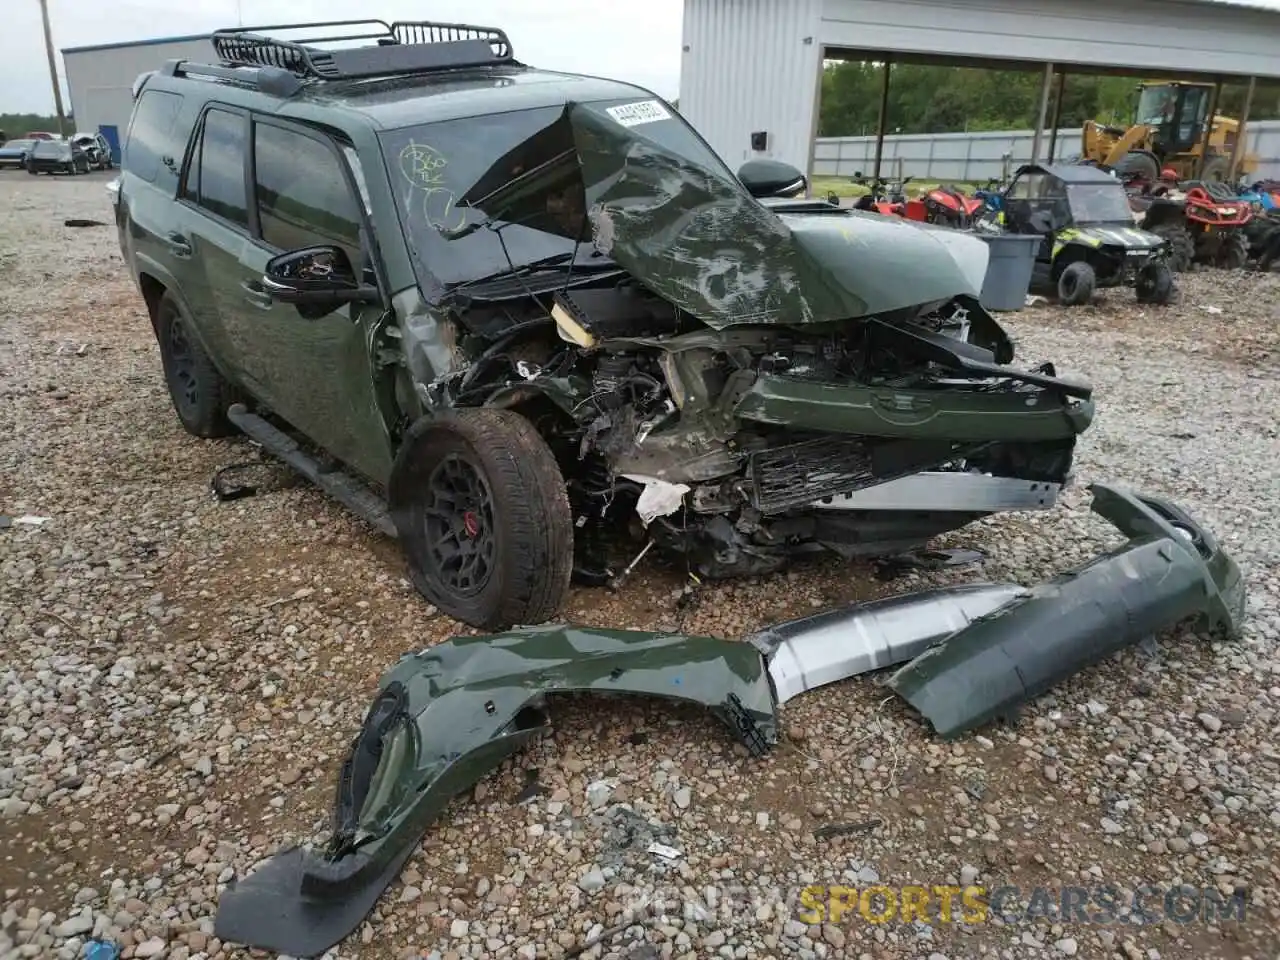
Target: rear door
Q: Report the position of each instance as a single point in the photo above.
(315, 372)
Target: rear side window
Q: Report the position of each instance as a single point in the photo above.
(303, 195)
(151, 132)
(215, 177)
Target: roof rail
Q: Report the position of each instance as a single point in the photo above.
(270, 80)
(403, 47)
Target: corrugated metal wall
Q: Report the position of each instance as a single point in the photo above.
(751, 65)
(975, 157)
(101, 79)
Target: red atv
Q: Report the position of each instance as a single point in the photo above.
(949, 206)
(889, 197)
(1202, 221)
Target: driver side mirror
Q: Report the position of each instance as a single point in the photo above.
(772, 178)
(320, 275)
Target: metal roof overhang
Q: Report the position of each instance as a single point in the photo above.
(1141, 38)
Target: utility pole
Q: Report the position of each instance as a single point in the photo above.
(53, 69)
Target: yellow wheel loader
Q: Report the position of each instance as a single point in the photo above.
(1168, 132)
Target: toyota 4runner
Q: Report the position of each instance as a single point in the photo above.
(510, 316)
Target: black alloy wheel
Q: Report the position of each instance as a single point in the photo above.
(458, 520)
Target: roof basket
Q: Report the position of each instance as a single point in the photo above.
(410, 46)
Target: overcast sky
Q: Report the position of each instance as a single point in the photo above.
(625, 39)
(635, 40)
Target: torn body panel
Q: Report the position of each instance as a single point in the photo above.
(1170, 569)
(443, 719)
(447, 716)
(701, 241)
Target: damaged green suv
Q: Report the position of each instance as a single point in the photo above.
(506, 314)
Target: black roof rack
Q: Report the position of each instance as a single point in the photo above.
(403, 47)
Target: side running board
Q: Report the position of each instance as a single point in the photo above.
(347, 490)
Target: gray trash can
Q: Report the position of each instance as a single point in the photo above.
(1013, 258)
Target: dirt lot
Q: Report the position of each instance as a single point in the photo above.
(179, 679)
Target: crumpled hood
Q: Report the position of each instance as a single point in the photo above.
(697, 237)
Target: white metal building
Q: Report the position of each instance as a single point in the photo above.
(750, 77)
(100, 79)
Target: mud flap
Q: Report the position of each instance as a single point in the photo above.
(272, 910)
(1170, 569)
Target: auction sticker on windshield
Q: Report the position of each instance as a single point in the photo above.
(642, 111)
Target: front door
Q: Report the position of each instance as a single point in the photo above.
(315, 372)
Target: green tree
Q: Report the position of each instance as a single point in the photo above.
(933, 99)
(14, 125)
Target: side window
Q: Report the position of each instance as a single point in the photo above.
(190, 189)
(215, 178)
(302, 193)
(150, 132)
(1026, 186)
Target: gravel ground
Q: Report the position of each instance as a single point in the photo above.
(180, 678)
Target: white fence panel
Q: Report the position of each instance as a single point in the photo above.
(977, 157)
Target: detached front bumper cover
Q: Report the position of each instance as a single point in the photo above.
(1171, 569)
(446, 717)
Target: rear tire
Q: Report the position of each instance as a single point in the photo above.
(1182, 246)
(1155, 284)
(482, 511)
(199, 394)
(1139, 164)
(1076, 284)
(1233, 253)
(1216, 170)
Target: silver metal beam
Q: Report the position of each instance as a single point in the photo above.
(948, 491)
(1046, 85)
(1242, 135)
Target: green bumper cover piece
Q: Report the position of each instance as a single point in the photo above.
(915, 414)
(1170, 569)
(447, 716)
(444, 719)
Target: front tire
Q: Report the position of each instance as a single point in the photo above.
(1076, 284)
(1233, 253)
(199, 394)
(1182, 246)
(1155, 284)
(481, 509)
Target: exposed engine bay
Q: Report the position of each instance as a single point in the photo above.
(738, 448)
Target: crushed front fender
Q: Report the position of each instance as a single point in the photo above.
(1170, 569)
(442, 720)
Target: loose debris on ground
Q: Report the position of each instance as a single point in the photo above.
(180, 678)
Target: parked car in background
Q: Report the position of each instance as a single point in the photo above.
(96, 149)
(14, 153)
(57, 156)
(42, 135)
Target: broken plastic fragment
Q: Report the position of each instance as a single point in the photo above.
(663, 851)
(659, 499)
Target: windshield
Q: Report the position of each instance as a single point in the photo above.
(1156, 105)
(1099, 203)
(522, 170)
(17, 144)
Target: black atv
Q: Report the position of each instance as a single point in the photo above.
(1090, 240)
